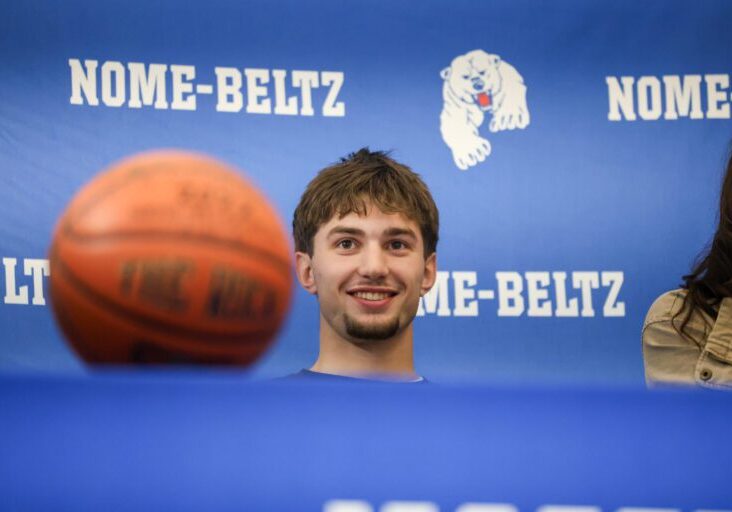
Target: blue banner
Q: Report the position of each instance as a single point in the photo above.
(578, 186)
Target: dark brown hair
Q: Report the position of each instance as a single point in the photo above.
(711, 278)
(365, 176)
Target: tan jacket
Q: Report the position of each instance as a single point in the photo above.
(670, 358)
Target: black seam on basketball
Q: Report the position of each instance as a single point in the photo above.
(132, 175)
(84, 208)
(164, 235)
(118, 309)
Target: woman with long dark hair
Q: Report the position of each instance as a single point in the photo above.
(687, 334)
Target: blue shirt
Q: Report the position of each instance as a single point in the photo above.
(311, 375)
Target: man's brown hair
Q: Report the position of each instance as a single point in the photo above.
(346, 187)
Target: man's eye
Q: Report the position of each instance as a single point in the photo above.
(398, 245)
(345, 244)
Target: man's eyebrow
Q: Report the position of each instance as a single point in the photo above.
(344, 230)
(400, 232)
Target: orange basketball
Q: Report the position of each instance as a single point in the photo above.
(170, 257)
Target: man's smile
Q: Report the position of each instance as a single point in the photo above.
(372, 297)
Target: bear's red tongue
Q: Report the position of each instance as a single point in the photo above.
(484, 100)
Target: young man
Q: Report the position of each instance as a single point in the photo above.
(366, 232)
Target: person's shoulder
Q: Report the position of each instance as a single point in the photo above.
(669, 357)
(665, 307)
(665, 317)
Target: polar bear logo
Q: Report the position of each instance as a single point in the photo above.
(475, 83)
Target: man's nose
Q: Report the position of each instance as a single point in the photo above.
(373, 262)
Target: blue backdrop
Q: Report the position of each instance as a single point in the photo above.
(612, 180)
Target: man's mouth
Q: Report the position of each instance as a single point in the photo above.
(373, 300)
(484, 100)
(373, 296)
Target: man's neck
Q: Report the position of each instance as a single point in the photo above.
(391, 357)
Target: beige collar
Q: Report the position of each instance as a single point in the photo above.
(719, 341)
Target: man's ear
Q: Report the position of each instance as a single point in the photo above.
(304, 271)
(430, 273)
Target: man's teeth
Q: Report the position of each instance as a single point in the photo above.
(371, 295)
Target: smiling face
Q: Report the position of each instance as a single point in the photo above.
(368, 273)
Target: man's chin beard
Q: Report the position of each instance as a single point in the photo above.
(371, 332)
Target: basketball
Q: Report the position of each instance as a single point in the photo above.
(170, 257)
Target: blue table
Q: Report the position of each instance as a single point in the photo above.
(131, 440)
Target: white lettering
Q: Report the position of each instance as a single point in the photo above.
(182, 86)
(113, 74)
(436, 300)
(680, 96)
(644, 509)
(347, 506)
(429, 506)
(486, 507)
(83, 81)
(138, 84)
(649, 98)
(13, 295)
(538, 294)
(38, 268)
(567, 508)
(683, 100)
(715, 95)
(564, 308)
(510, 300)
(150, 85)
(283, 105)
(331, 108)
(612, 307)
(586, 281)
(465, 303)
(620, 98)
(228, 88)
(257, 100)
(409, 506)
(306, 81)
